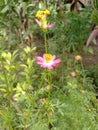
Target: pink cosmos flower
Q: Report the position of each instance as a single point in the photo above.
(48, 61)
(73, 74)
(43, 24)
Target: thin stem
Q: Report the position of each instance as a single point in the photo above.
(42, 79)
(83, 72)
(45, 43)
(49, 78)
(9, 31)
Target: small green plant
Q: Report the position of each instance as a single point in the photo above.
(94, 16)
(95, 3)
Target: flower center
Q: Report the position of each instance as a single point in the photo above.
(48, 57)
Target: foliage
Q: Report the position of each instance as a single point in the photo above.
(27, 104)
(71, 27)
(95, 3)
(94, 16)
(93, 73)
(37, 98)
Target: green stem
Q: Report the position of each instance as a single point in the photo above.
(42, 79)
(83, 72)
(45, 43)
(49, 82)
(49, 78)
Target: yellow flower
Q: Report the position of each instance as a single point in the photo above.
(41, 19)
(47, 12)
(40, 14)
(78, 57)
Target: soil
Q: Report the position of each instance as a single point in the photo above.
(90, 59)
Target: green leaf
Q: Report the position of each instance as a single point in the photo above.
(94, 41)
(90, 50)
(2, 90)
(5, 9)
(41, 5)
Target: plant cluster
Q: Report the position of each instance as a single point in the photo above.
(40, 92)
(94, 15)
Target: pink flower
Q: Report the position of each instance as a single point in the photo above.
(73, 74)
(43, 24)
(47, 61)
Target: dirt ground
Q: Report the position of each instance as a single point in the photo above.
(90, 59)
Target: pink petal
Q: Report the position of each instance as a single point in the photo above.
(50, 25)
(56, 62)
(43, 66)
(39, 58)
(44, 55)
(50, 67)
(53, 57)
(38, 22)
(39, 62)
